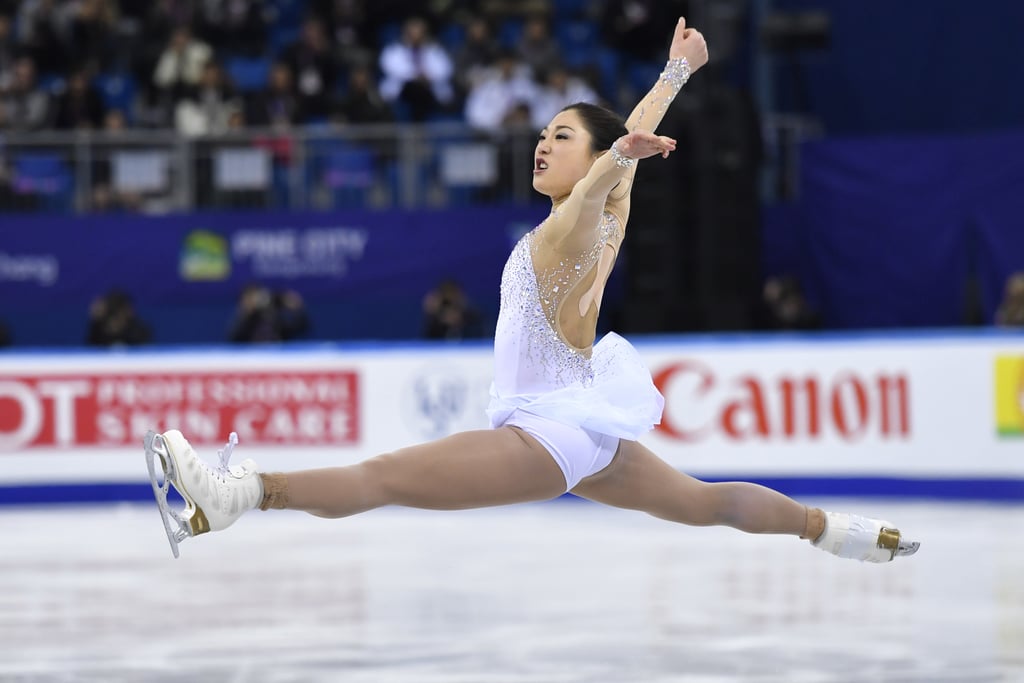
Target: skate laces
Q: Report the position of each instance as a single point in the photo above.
(225, 453)
(222, 471)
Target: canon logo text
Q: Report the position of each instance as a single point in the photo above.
(700, 403)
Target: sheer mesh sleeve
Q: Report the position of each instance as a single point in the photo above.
(651, 110)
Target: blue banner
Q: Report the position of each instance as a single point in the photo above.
(367, 269)
(907, 81)
(888, 232)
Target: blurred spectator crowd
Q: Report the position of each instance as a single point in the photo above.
(209, 66)
(285, 70)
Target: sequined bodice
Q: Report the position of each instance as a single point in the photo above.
(531, 356)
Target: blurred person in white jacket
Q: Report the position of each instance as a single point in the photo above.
(560, 89)
(206, 109)
(181, 64)
(505, 87)
(417, 71)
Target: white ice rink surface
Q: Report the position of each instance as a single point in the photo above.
(555, 593)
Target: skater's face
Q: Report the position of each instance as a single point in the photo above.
(563, 155)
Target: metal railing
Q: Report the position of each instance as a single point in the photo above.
(349, 167)
(374, 166)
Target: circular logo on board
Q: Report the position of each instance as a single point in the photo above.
(442, 400)
(204, 257)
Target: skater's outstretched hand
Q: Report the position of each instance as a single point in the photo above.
(641, 144)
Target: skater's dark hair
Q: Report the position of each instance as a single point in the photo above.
(604, 125)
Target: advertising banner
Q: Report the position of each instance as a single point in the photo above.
(111, 410)
(183, 260)
(359, 274)
(917, 407)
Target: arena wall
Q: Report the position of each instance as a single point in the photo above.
(908, 415)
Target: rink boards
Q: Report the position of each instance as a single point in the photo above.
(937, 415)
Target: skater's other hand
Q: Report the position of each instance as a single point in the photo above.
(689, 43)
(641, 144)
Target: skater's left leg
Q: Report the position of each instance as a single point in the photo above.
(472, 469)
(639, 480)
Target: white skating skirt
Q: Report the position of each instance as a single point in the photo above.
(622, 401)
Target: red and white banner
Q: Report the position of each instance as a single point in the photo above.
(90, 409)
(750, 405)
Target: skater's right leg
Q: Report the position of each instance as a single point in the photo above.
(637, 479)
(472, 469)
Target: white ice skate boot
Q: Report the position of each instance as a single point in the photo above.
(214, 497)
(863, 538)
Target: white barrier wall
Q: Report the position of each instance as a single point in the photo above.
(930, 407)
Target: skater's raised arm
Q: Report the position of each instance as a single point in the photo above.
(607, 185)
(687, 54)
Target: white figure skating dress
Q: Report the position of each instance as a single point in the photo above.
(577, 402)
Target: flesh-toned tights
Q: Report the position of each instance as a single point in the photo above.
(503, 466)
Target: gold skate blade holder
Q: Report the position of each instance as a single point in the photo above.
(889, 539)
(893, 540)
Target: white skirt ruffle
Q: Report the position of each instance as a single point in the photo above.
(622, 401)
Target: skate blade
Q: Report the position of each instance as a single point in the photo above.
(892, 541)
(176, 527)
(907, 548)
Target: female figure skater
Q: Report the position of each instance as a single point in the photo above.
(565, 413)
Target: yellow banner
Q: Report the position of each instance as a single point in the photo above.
(1010, 395)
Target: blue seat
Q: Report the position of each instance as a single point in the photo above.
(400, 111)
(118, 91)
(51, 83)
(570, 9)
(347, 172)
(281, 37)
(642, 75)
(577, 33)
(510, 32)
(395, 177)
(46, 176)
(608, 66)
(389, 33)
(248, 74)
(281, 187)
(287, 13)
(452, 36)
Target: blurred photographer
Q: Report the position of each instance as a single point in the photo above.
(113, 321)
(448, 314)
(784, 307)
(1011, 308)
(266, 316)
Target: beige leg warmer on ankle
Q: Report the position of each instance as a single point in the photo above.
(814, 527)
(275, 491)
